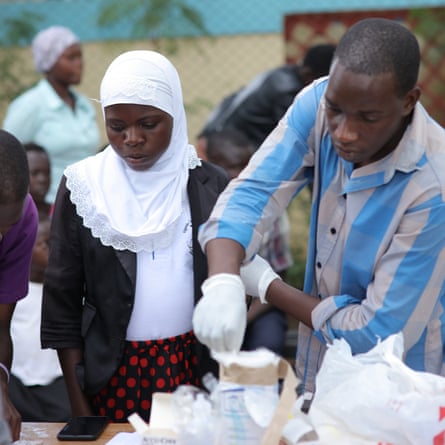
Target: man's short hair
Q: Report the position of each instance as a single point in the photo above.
(375, 46)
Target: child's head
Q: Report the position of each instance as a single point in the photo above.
(39, 171)
(142, 103)
(230, 149)
(14, 180)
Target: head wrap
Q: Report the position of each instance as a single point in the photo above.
(143, 78)
(49, 44)
(103, 185)
(148, 78)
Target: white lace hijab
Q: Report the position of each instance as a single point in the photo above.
(127, 209)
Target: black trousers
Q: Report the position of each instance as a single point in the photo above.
(49, 403)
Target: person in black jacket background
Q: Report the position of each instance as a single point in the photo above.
(255, 109)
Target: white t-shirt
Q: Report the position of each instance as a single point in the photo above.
(31, 364)
(164, 298)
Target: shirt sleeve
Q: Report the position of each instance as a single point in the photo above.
(15, 255)
(21, 117)
(64, 284)
(281, 167)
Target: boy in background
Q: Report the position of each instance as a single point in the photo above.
(18, 228)
(36, 386)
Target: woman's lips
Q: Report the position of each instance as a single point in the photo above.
(135, 159)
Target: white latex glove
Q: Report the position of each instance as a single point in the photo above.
(219, 319)
(257, 276)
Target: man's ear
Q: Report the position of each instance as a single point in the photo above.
(411, 99)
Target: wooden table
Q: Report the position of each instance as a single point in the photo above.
(46, 434)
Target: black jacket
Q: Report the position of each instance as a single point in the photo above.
(89, 288)
(256, 109)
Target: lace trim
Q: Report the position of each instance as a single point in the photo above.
(194, 160)
(140, 87)
(100, 225)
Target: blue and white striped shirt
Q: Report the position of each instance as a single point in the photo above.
(376, 253)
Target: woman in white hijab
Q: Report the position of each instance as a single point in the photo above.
(125, 268)
(52, 113)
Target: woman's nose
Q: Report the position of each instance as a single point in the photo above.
(132, 136)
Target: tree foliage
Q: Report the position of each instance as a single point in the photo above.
(17, 31)
(154, 19)
(428, 23)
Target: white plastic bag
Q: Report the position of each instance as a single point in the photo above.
(375, 398)
(194, 421)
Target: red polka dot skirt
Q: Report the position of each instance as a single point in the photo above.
(147, 367)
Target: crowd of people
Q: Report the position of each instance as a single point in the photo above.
(131, 263)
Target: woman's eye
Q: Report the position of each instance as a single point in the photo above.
(117, 128)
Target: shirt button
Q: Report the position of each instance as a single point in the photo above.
(333, 231)
(319, 264)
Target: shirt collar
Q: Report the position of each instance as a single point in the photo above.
(53, 99)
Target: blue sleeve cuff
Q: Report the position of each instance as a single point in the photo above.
(322, 314)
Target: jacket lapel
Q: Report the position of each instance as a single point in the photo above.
(128, 262)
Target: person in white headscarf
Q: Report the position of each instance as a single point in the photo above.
(125, 268)
(51, 113)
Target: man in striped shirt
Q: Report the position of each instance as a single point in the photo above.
(376, 254)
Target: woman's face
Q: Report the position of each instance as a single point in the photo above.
(68, 68)
(139, 134)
